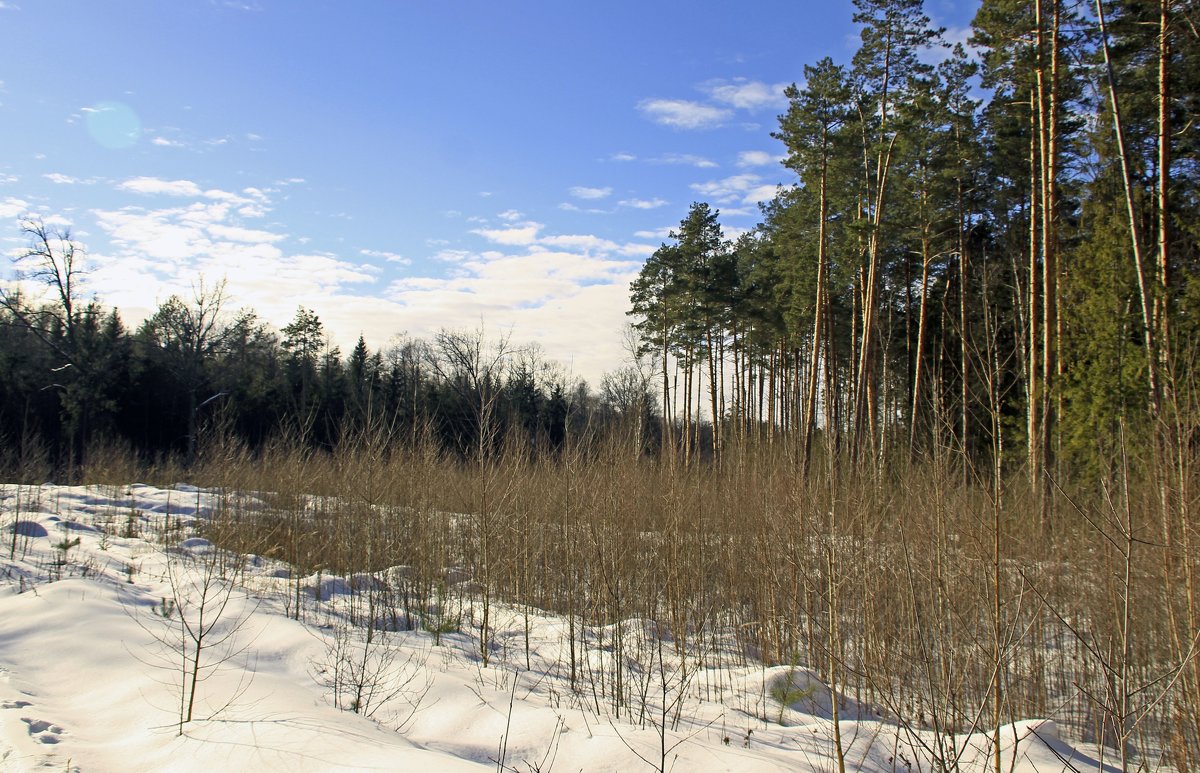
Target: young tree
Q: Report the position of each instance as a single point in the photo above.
(474, 369)
(198, 628)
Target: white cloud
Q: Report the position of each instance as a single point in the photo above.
(658, 233)
(552, 297)
(6, 179)
(390, 257)
(583, 242)
(451, 256)
(567, 206)
(746, 94)
(685, 159)
(226, 196)
(555, 291)
(57, 220)
(516, 236)
(760, 193)
(584, 192)
(13, 208)
(238, 234)
(749, 158)
(155, 186)
(683, 114)
(552, 289)
(62, 179)
(509, 215)
(163, 142)
(636, 250)
(747, 188)
(623, 156)
(168, 248)
(644, 203)
(169, 235)
(251, 200)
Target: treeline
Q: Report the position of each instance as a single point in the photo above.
(73, 376)
(993, 256)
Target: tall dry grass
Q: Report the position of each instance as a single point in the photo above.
(937, 604)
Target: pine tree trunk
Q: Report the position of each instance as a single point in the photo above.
(1047, 99)
(1164, 190)
(712, 393)
(864, 409)
(964, 338)
(1032, 367)
(926, 259)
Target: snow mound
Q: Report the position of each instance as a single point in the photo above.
(31, 529)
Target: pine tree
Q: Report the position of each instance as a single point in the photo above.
(304, 340)
(811, 129)
(673, 299)
(893, 33)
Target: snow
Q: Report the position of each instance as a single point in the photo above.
(93, 579)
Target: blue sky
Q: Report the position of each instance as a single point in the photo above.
(399, 166)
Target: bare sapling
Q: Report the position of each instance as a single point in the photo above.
(199, 627)
(365, 666)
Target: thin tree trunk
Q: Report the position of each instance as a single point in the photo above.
(666, 386)
(1164, 188)
(920, 349)
(810, 406)
(864, 403)
(833, 395)
(963, 264)
(1032, 367)
(1048, 142)
(713, 408)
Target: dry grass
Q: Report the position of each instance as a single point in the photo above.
(924, 599)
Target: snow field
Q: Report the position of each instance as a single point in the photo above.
(99, 587)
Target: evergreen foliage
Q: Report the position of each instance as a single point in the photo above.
(979, 255)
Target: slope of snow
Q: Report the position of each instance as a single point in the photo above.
(93, 674)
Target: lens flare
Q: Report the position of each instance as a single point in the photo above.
(114, 125)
